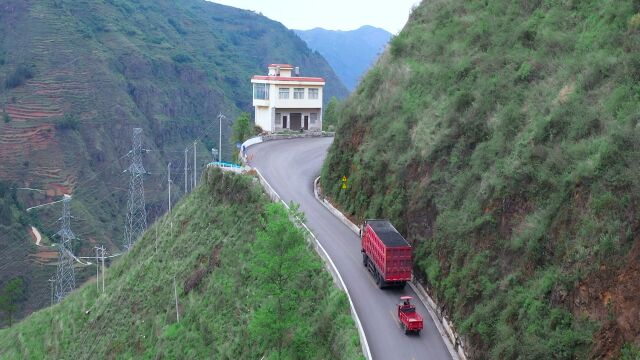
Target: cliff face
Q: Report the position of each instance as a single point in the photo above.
(502, 138)
(77, 76)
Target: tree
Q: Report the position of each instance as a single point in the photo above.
(330, 116)
(242, 129)
(281, 268)
(12, 293)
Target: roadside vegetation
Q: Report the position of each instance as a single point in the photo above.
(503, 139)
(10, 295)
(248, 286)
(330, 115)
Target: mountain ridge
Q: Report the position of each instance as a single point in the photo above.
(349, 52)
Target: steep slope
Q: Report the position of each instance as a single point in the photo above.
(502, 138)
(350, 53)
(244, 274)
(77, 76)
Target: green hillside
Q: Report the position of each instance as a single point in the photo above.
(248, 285)
(502, 138)
(76, 76)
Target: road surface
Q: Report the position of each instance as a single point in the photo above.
(290, 166)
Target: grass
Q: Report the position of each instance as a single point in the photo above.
(501, 138)
(211, 245)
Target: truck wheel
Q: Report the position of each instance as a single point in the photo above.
(365, 259)
(380, 281)
(402, 285)
(417, 332)
(406, 331)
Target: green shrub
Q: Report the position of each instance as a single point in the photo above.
(19, 76)
(68, 122)
(177, 26)
(182, 58)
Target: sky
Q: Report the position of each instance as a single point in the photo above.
(390, 15)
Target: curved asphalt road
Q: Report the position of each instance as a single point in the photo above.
(290, 166)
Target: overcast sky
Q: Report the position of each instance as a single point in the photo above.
(331, 14)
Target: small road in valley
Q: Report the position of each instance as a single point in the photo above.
(290, 166)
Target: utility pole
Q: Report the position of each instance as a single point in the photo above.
(65, 275)
(220, 117)
(137, 213)
(169, 184)
(97, 269)
(157, 238)
(102, 253)
(195, 169)
(175, 294)
(186, 151)
(52, 282)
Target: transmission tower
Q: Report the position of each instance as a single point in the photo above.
(65, 279)
(136, 214)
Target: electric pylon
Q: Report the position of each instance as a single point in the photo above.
(65, 279)
(136, 214)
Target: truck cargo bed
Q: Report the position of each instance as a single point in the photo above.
(387, 233)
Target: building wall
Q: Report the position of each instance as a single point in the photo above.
(295, 103)
(263, 117)
(305, 112)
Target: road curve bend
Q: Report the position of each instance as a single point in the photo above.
(290, 166)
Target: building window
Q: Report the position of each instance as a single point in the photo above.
(278, 118)
(261, 91)
(313, 94)
(284, 93)
(298, 93)
(314, 117)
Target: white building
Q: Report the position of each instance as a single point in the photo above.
(283, 100)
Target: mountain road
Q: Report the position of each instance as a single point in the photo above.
(290, 167)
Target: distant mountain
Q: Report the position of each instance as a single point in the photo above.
(76, 76)
(350, 53)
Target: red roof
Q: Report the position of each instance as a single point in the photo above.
(286, 66)
(283, 78)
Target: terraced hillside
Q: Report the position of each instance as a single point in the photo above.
(502, 138)
(77, 76)
(248, 286)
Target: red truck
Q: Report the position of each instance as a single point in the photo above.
(385, 253)
(411, 321)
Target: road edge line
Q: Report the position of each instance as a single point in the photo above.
(448, 336)
(327, 260)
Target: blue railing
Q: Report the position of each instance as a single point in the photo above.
(224, 165)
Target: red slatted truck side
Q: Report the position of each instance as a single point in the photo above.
(386, 254)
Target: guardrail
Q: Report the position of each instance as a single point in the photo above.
(454, 343)
(281, 136)
(225, 166)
